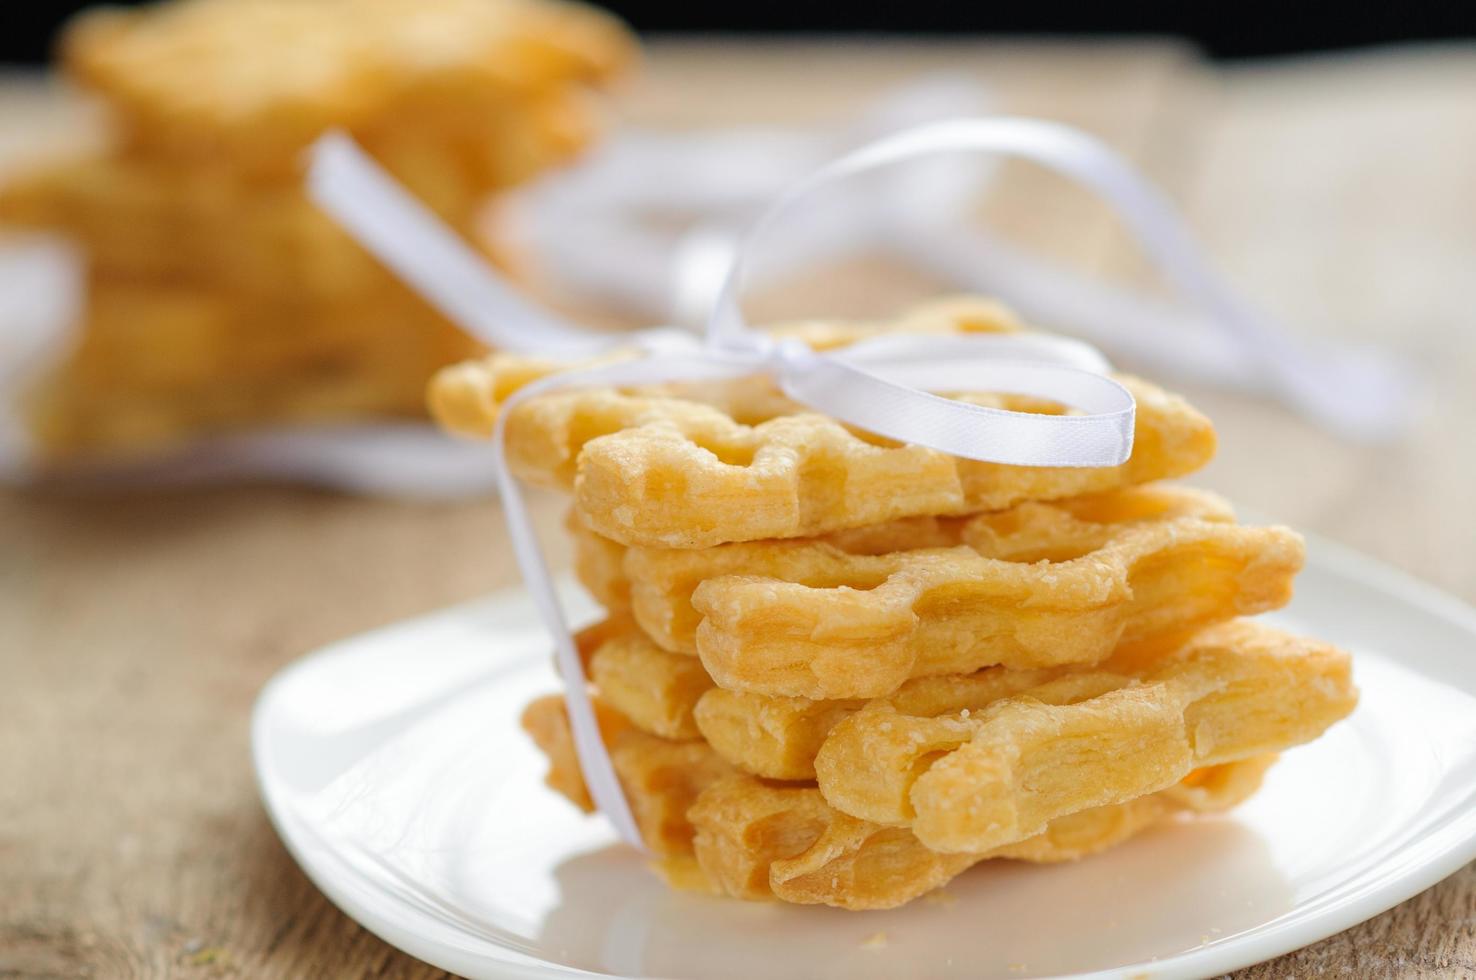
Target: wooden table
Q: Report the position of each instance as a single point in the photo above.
(135, 630)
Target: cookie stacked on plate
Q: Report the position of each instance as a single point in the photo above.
(840, 670)
(218, 294)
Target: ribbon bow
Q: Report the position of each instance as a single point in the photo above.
(667, 204)
(885, 385)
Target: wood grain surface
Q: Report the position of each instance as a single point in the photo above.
(136, 628)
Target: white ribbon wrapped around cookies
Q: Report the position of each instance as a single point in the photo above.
(886, 385)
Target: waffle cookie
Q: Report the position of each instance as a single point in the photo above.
(726, 832)
(244, 85)
(971, 761)
(467, 398)
(167, 225)
(964, 778)
(857, 613)
(154, 366)
(678, 468)
(220, 296)
(758, 840)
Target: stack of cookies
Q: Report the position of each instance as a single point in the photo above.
(840, 670)
(218, 294)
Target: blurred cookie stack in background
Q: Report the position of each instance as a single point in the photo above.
(841, 670)
(218, 296)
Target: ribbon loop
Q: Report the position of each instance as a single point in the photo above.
(896, 404)
(1052, 145)
(1036, 348)
(407, 236)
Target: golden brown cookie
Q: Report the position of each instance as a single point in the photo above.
(154, 366)
(976, 775)
(244, 85)
(689, 466)
(757, 840)
(857, 613)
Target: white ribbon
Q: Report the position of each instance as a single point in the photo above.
(41, 282)
(427, 255)
(669, 204)
(883, 385)
(708, 181)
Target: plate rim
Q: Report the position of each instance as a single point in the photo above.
(1264, 943)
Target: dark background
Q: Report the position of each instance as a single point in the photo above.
(1223, 29)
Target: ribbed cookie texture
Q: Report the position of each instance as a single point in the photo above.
(697, 466)
(971, 762)
(244, 84)
(969, 778)
(729, 833)
(672, 472)
(1038, 585)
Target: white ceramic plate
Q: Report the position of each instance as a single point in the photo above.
(394, 770)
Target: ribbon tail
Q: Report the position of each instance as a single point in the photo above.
(417, 246)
